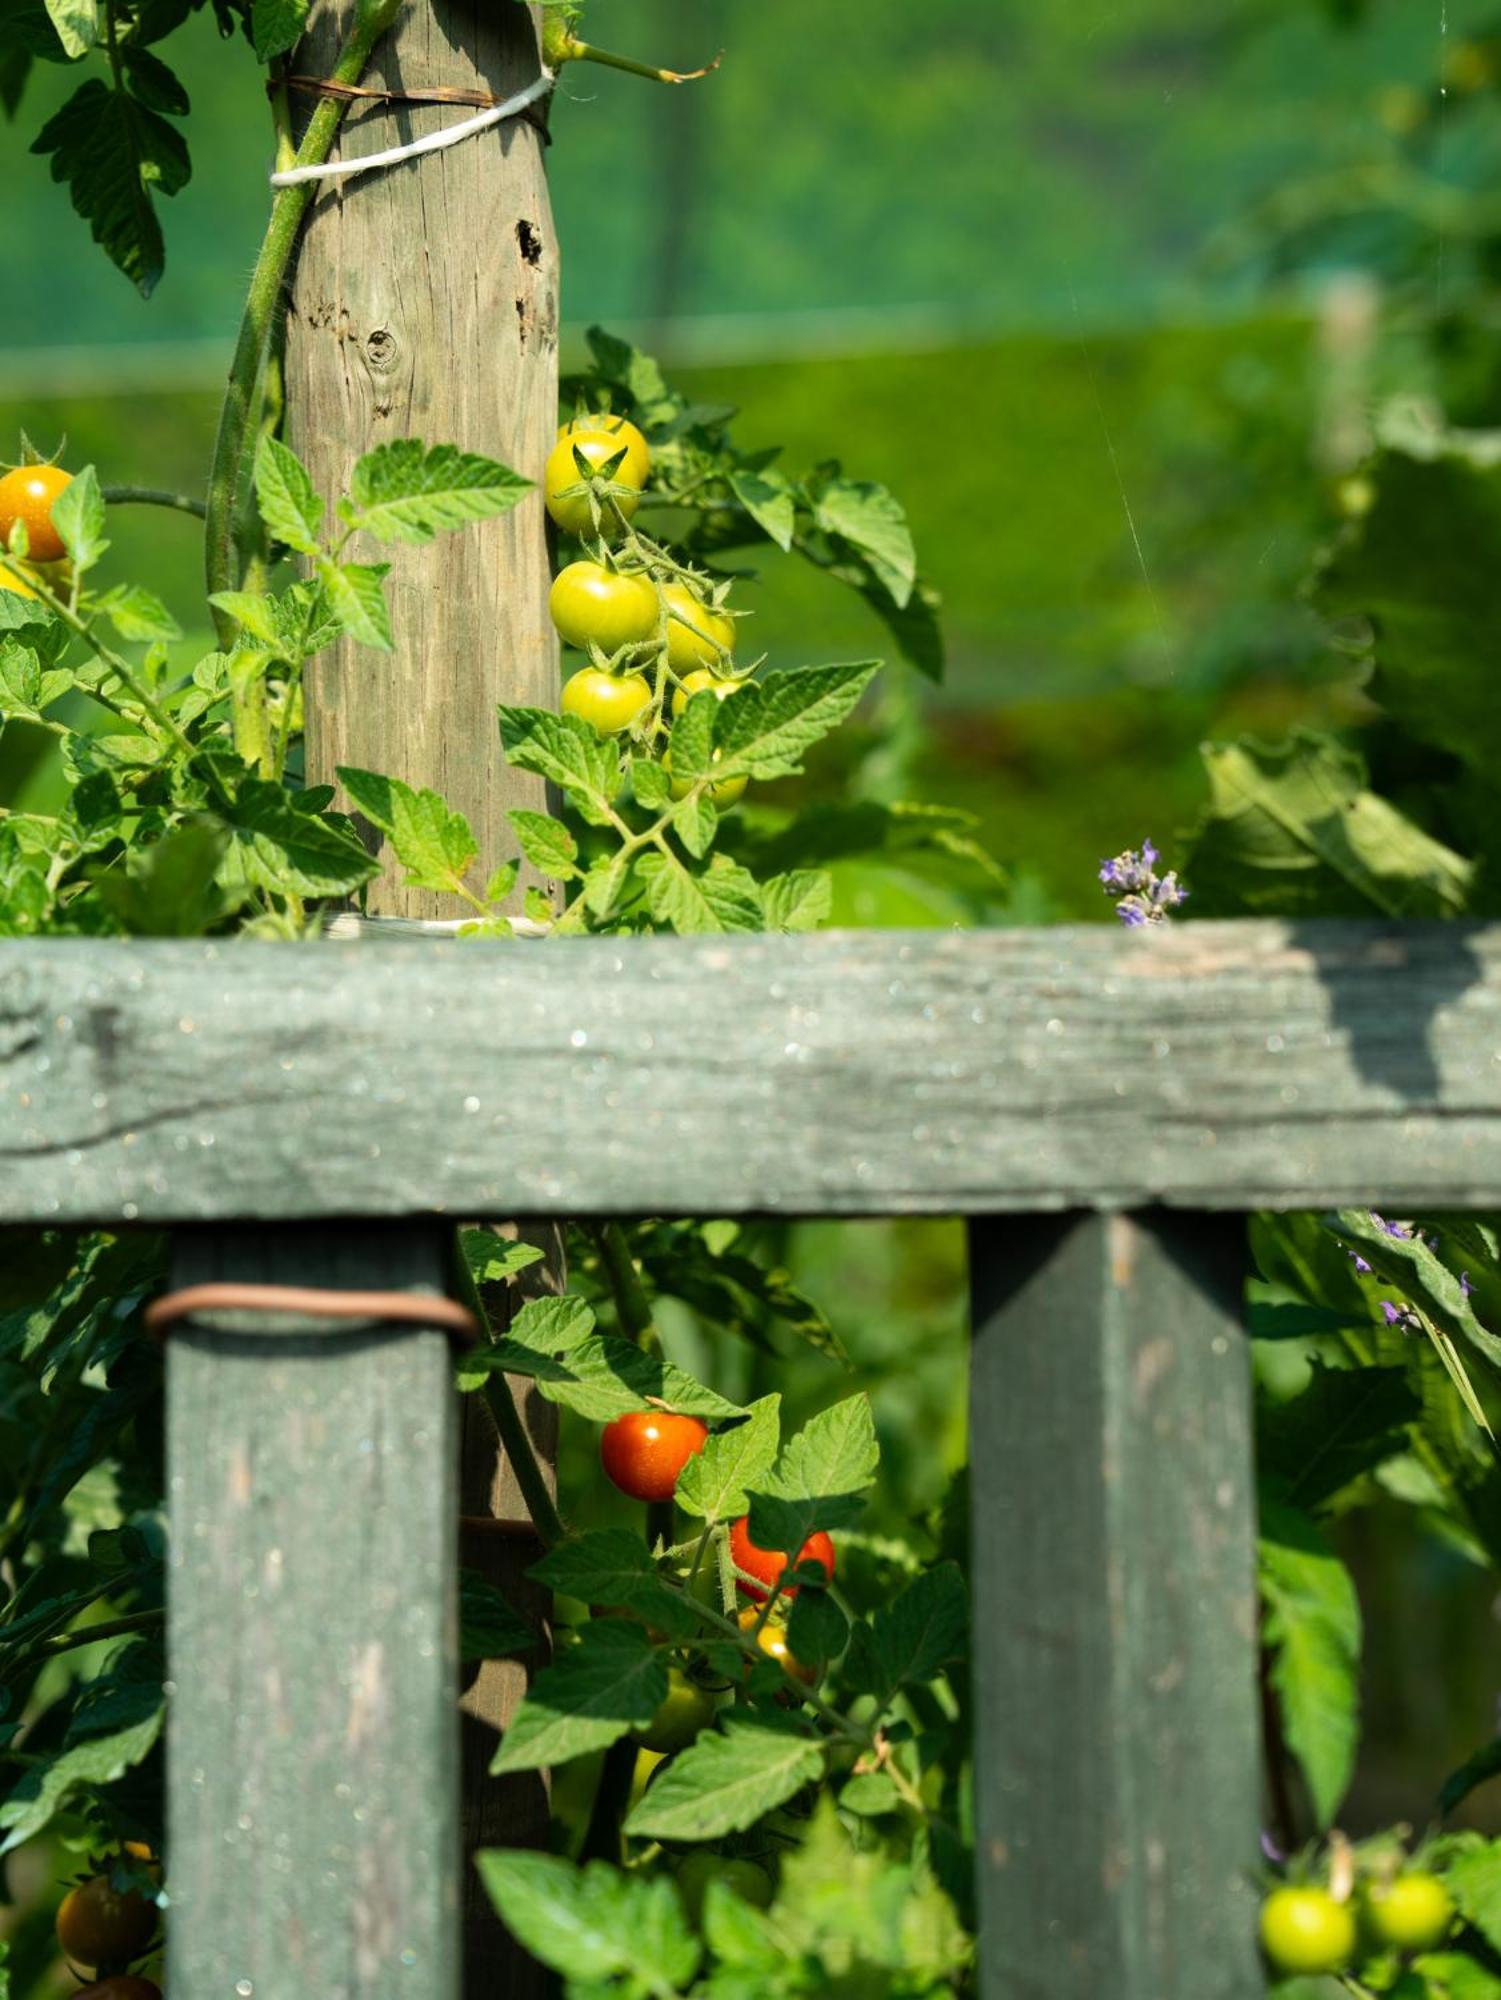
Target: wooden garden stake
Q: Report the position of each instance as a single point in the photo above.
(425, 304)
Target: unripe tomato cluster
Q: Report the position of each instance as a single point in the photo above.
(652, 628)
(1308, 1931)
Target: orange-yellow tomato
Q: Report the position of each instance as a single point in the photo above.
(27, 494)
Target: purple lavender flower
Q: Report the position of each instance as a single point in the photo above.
(1141, 895)
(1466, 1283)
(1401, 1317)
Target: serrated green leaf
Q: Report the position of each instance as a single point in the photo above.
(492, 1260)
(692, 743)
(293, 852)
(592, 1923)
(404, 492)
(820, 1478)
(872, 520)
(433, 843)
(692, 900)
(114, 153)
(169, 888)
(254, 610)
(137, 615)
(289, 505)
(567, 752)
(77, 24)
(546, 843)
(917, 1635)
(1342, 1425)
(649, 783)
(78, 516)
(601, 1377)
(712, 1485)
(695, 821)
(767, 498)
(152, 82)
(817, 1630)
(612, 1566)
(596, 1691)
(489, 1626)
(764, 730)
(1474, 1881)
(726, 1781)
(1292, 830)
(1312, 1629)
(799, 901)
(604, 882)
(26, 690)
(276, 26)
(43, 1789)
(357, 599)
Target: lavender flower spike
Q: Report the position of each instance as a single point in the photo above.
(1140, 894)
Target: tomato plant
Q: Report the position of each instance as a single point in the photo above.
(28, 494)
(768, 1565)
(101, 1926)
(1307, 1931)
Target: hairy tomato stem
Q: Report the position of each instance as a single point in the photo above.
(237, 415)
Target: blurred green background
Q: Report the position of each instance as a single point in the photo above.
(1107, 294)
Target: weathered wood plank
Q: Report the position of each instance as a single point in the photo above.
(313, 1805)
(1115, 1614)
(1216, 1066)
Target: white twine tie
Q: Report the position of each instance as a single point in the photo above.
(433, 142)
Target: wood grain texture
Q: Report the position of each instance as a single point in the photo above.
(1217, 1066)
(425, 304)
(313, 1747)
(1115, 1612)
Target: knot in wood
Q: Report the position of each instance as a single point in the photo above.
(381, 349)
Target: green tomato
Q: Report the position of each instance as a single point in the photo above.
(704, 640)
(1413, 1913)
(572, 512)
(1307, 1931)
(686, 1712)
(752, 1884)
(608, 702)
(699, 679)
(592, 604)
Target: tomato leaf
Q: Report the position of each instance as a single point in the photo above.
(712, 1485)
(820, 1478)
(78, 516)
(873, 522)
(1312, 1628)
(276, 26)
(908, 1641)
(567, 752)
(434, 844)
(1345, 1423)
(799, 901)
(404, 492)
(44, 1788)
(767, 497)
(138, 615)
(77, 24)
(721, 897)
(612, 1566)
(290, 507)
(281, 848)
(726, 1781)
(546, 843)
(357, 598)
(764, 730)
(609, 1682)
(592, 1923)
(489, 1627)
(115, 153)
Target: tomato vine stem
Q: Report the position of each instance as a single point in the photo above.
(237, 414)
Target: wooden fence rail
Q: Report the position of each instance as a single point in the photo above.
(1118, 1083)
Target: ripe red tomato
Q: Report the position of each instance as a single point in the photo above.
(124, 1986)
(644, 1451)
(98, 1926)
(608, 702)
(772, 1639)
(27, 494)
(768, 1564)
(591, 603)
(698, 635)
(617, 431)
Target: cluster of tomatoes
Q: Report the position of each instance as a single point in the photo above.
(27, 496)
(1308, 1930)
(655, 631)
(644, 1453)
(106, 1928)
